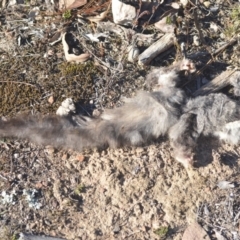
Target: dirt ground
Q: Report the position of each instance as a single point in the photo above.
(128, 193)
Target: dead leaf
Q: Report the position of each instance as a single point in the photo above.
(195, 232)
(94, 37)
(70, 57)
(70, 4)
(99, 17)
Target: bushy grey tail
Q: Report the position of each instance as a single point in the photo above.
(60, 132)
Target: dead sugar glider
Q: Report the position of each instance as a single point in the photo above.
(147, 116)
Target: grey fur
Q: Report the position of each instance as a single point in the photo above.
(212, 115)
(141, 119)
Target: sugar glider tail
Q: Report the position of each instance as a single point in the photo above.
(59, 132)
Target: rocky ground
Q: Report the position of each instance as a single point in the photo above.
(128, 193)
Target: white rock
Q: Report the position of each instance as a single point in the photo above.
(123, 13)
(225, 184)
(133, 53)
(12, 2)
(196, 40)
(214, 26)
(184, 2)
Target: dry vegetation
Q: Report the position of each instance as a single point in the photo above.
(130, 193)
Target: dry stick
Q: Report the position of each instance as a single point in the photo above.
(211, 225)
(155, 49)
(198, 27)
(3, 179)
(216, 84)
(29, 84)
(215, 54)
(154, 9)
(231, 42)
(25, 236)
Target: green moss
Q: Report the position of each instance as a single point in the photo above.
(236, 13)
(168, 20)
(67, 14)
(162, 232)
(26, 84)
(70, 69)
(14, 237)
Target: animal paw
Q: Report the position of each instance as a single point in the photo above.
(187, 65)
(66, 107)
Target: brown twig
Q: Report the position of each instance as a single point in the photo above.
(214, 55)
(198, 27)
(216, 84)
(29, 84)
(92, 7)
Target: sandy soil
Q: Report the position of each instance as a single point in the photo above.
(129, 193)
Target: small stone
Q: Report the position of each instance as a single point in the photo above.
(184, 2)
(138, 210)
(196, 40)
(65, 157)
(123, 14)
(116, 228)
(50, 52)
(51, 100)
(133, 53)
(38, 185)
(16, 155)
(49, 150)
(225, 185)
(80, 158)
(207, 4)
(139, 150)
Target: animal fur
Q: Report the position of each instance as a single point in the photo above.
(149, 115)
(211, 115)
(143, 118)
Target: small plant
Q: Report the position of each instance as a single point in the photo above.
(79, 189)
(14, 237)
(234, 25)
(161, 232)
(235, 15)
(168, 20)
(67, 14)
(88, 69)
